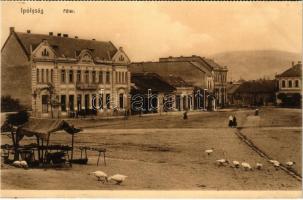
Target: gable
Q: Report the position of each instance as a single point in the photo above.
(121, 57)
(44, 51)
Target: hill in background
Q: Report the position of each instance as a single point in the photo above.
(251, 65)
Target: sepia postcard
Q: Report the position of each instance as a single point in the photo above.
(170, 99)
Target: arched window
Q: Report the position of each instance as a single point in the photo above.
(283, 84)
(290, 83)
(297, 83)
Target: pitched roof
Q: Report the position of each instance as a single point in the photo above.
(43, 127)
(186, 70)
(232, 88)
(68, 46)
(145, 81)
(197, 60)
(295, 71)
(259, 86)
(176, 81)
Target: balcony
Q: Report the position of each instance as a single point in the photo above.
(87, 86)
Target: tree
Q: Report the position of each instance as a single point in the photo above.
(51, 91)
(8, 104)
(12, 124)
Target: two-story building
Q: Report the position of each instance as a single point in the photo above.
(289, 85)
(56, 75)
(206, 76)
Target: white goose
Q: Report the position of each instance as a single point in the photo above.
(221, 162)
(236, 163)
(118, 178)
(209, 151)
(246, 166)
(100, 175)
(275, 163)
(23, 164)
(259, 166)
(290, 163)
(17, 163)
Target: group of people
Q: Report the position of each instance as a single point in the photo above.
(232, 121)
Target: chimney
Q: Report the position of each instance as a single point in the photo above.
(59, 34)
(65, 35)
(28, 31)
(76, 37)
(11, 29)
(50, 33)
(292, 63)
(120, 48)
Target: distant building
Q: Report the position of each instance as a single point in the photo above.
(252, 93)
(290, 86)
(83, 73)
(184, 94)
(199, 72)
(148, 93)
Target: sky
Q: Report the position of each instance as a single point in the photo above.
(149, 30)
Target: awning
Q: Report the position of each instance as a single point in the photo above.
(43, 127)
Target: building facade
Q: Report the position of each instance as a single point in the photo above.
(203, 74)
(64, 76)
(289, 85)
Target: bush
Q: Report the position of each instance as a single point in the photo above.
(18, 119)
(9, 104)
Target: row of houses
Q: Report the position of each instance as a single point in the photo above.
(59, 75)
(284, 90)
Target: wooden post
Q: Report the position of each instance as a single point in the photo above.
(46, 150)
(72, 154)
(98, 158)
(38, 142)
(104, 158)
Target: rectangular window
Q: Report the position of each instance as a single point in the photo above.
(101, 77)
(44, 103)
(86, 78)
(51, 75)
(62, 76)
(108, 101)
(79, 102)
(71, 102)
(63, 103)
(38, 77)
(107, 77)
(126, 77)
(94, 76)
(78, 76)
(71, 76)
(121, 101)
(42, 72)
(47, 78)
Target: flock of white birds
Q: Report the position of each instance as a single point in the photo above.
(102, 176)
(246, 166)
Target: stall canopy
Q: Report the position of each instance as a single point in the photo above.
(42, 128)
